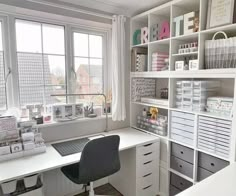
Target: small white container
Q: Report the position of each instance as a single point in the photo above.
(9, 187)
(30, 181)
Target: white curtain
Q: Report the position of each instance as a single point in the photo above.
(118, 68)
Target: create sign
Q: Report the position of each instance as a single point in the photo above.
(157, 32)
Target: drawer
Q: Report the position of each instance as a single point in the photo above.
(211, 163)
(183, 121)
(182, 166)
(202, 174)
(182, 127)
(215, 123)
(182, 133)
(182, 152)
(151, 156)
(151, 147)
(149, 179)
(181, 139)
(208, 119)
(174, 190)
(179, 182)
(183, 115)
(214, 135)
(147, 168)
(215, 144)
(146, 191)
(214, 128)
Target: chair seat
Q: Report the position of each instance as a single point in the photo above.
(72, 172)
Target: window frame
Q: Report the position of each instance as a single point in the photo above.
(70, 25)
(91, 31)
(43, 54)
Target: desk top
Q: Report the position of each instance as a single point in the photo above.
(219, 184)
(50, 160)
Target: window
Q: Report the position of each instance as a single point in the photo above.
(88, 62)
(3, 100)
(41, 62)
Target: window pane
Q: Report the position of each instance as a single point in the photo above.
(1, 48)
(3, 101)
(28, 36)
(81, 45)
(95, 46)
(96, 79)
(54, 70)
(52, 90)
(30, 68)
(53, 39)
(96, 62)
(82, 73)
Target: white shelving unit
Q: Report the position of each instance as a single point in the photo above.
(227, 77)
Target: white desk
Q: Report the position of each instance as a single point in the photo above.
(50, 160)
(220, 184)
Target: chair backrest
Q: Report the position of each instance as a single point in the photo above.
(99, 158)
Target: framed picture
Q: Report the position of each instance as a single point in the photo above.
(220, 12)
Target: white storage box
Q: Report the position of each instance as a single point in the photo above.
(5, 150)
(31, 181)
(9, 187)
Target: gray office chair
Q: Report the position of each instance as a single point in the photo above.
(99, 159)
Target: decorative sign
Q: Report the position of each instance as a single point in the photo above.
(165, 30)
(186, 24)
(154, 32)
(189, 23)
(179, 25)
(144, 35)
(137, 37)
(220, 12)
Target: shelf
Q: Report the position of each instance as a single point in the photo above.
(150, 74)
(140, 45)
(163, 42)
(151, 105)
(207, 114)
(181, 175)
(188, 37)
(186, 54)
(225, 28)
(204, 73)
(181, 143)
(143, 130)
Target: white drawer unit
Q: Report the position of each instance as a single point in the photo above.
(214, 135)
(182, 127)
(147, 169)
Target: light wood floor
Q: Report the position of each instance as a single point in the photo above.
(106, 189)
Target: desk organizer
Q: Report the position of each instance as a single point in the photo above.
(27, 140)
(158, 126)
(220, 105)
(192, 95)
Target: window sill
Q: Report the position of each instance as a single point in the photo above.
(52, 124)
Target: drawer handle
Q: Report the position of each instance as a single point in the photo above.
(181, 183)
(147, 175)
(180, 166)
(147, 187)
(212, 164)
(182, 152)
(147, 162)
(147, 154)
(147, 145)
